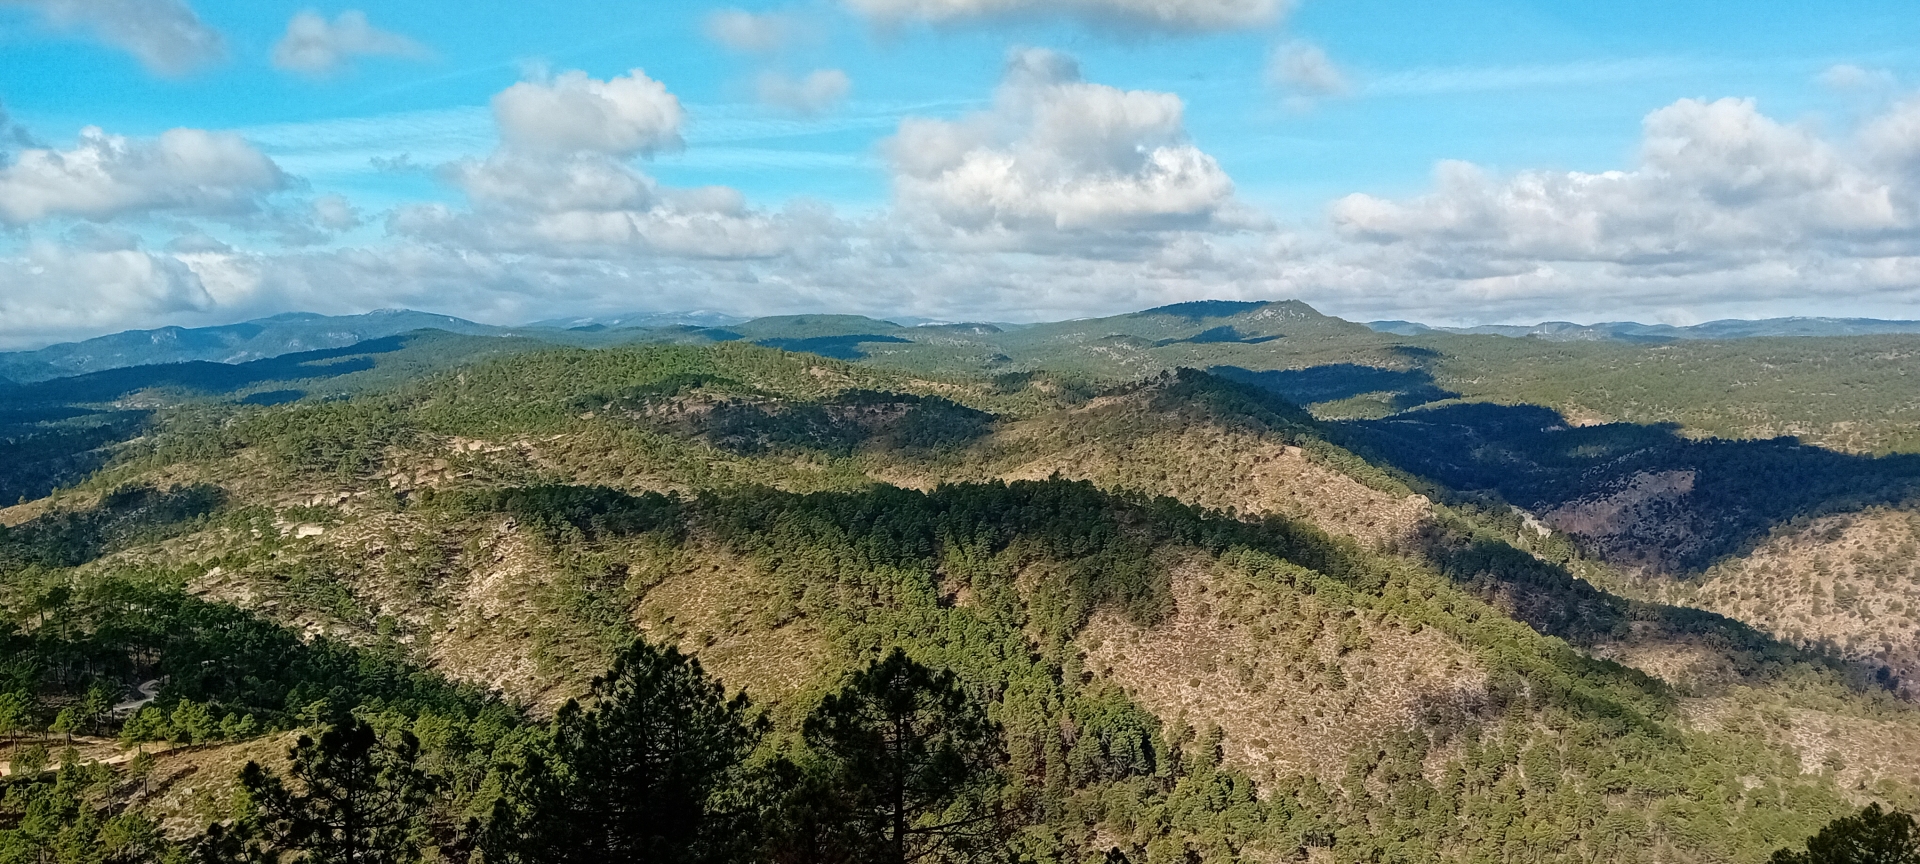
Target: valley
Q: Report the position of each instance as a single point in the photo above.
(1233, 581)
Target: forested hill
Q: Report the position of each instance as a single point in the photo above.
(1842, 384)
(467, 585)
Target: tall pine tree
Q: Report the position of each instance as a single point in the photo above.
(354, 799)
(907, 771)
(649, 773)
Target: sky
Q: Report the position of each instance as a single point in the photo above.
(1485, 161)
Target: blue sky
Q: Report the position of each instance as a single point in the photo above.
(999, 159)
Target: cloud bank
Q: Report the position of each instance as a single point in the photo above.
(1062, 197)
(190, 171)
(1166, 16)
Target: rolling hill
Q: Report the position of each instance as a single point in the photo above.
(1314, 649)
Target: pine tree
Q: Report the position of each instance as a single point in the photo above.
(649, 773)
(1874, 836)
(355, 798)
(907, 770)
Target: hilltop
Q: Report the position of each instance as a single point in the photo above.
(1840, 383)
(1322, 636)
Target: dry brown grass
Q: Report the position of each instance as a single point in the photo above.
(721, 610)
(1293, 685)
(1119, 442)
(1863, 754)
(1849, 583)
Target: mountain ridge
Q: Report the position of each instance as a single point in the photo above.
(293, 332)
(1632, 331)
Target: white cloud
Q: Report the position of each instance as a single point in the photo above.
(1062, 198)
(165, 35)
(1056, 154)
(550, 183)
(623, 116)
(316, 47)
(335, 213)
(744, 31)
(815, 93)
(1846, 76)
(1303, 71)
(561, 185)
(1716, 181)
(104, 176)
(1892, 141)
(1723, 206)
(55, 291)
(1172, 16)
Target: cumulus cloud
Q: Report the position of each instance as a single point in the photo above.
(623, 116)
(1171, 16)
(316, 47)
(815, 93)
(54, 290)
(1056, 155)
(748, 32)
(1723, 205)
(190, 171)
(164, 35)
(1303, 71)
(1716, 181)
(1062, 198)
(551, 183)
(1892, 141)
(561, 183)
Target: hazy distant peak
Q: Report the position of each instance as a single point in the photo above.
(629, 320)
(1633, 331)
(260, 338)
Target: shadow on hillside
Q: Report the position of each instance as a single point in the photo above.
(840, 425)
(1218, 335)
(204, 376)
(1548, 597)
(1409, 388)
(69, 539)
(836, 347)
(1640, 495)
(53, 433)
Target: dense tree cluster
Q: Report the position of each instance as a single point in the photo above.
(900, 766)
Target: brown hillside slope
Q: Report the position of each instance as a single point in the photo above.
(1136, 441)
(1849, 584)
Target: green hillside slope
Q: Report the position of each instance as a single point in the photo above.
(1203, 629)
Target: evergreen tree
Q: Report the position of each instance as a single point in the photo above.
(907, 770)
(650, 773)
(1875, 836)
(356, 799)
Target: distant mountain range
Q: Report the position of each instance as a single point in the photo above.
(231, 343)
(631, 320)
(831, 335)
(1629, 331)
(295, 332)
